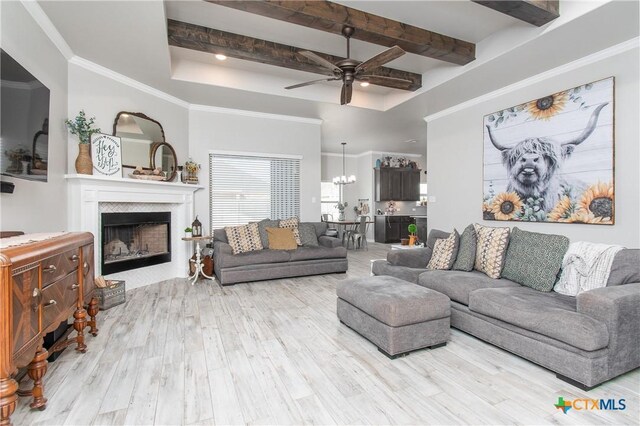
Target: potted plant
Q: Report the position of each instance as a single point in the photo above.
(412, 228)
(188, 232)
(83, 128)
(341, 207)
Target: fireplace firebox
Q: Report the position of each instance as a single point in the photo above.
(135, 240)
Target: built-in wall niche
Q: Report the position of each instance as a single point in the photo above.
(24, 113)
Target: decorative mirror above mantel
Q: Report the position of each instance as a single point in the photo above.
(143, 143)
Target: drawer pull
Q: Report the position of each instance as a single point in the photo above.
(50, 268)
(75, 286)
(37, 299)
(75, 258)
(50, 303)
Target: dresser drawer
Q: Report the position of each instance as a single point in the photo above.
(56, 267)
(59, 298)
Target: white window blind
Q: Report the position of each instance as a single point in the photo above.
(246, 189)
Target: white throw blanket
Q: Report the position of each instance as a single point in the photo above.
(585, 266)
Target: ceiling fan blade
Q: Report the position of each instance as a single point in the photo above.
(308, 83)
(380, 59)
(345, 94)
(381, 80)
(320, 61)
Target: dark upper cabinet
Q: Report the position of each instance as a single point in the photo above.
(397, 184)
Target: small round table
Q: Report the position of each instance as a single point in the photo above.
(198, 263)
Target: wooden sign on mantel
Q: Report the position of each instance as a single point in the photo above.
(106, 154)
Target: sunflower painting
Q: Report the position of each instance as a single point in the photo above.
(551, 159)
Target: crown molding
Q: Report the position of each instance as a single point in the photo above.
(617, 49)
(41, 18)
(362, 154)
(254, 114)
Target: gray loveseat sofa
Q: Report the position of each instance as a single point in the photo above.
(586, 340)
(329, 256)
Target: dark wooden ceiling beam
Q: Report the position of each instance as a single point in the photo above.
(332, 17)
(536, 12)
(203, 39)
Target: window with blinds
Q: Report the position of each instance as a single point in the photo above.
(246, 188)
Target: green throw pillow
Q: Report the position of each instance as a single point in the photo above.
(534, 259)
(467, 250)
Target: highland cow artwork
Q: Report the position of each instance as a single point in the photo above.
(552, 159)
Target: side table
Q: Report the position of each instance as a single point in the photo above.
(198, 263)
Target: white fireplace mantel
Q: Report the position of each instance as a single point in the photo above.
(86, 193)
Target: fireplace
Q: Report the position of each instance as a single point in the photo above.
(134, 240)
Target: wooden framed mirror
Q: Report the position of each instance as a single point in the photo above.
(164, 156)
(138, 133)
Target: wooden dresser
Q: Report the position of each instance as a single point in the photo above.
(42, 284)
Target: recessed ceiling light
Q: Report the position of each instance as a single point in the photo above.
(220, 57)
(364, 83)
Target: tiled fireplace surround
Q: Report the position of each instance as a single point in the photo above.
(89, 196)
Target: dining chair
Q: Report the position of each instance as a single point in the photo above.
(358, 235)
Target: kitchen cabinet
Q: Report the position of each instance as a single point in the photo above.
(397, 184)
(390, 229)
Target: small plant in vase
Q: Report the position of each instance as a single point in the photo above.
(83, 128)
(341, 207)
(188, 232)
(412, 228)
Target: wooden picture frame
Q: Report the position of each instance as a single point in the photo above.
(552, 159)
(106, 155)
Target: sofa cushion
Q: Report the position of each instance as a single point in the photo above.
(244, 238)
(382, 267)
(444, 252)
(466, 257)
(625, 268)
(308, 236)
(262, 227)
(414, 258)
(436, 234)
(550, 314)
(457, 285)
(281, 239)
(317, 252)
(228, 260)
(320, 227)
(533, 259)
(491, 249)
(220, 235)
(292, 223)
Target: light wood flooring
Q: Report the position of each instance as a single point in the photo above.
(274, 353)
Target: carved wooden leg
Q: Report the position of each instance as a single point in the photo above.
(93, 311)
(8, 399)
(36, 371)
(79, 325)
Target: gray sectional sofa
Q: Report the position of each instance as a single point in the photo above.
(329, 256)
(586, 340)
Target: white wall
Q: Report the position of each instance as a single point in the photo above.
(104, 97)
(37, 206)
(227, 131)
(454, 155)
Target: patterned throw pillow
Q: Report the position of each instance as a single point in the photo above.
(292, 223)
(308, 236)
(444, 252)
(262, 227)
(244, 238)
(281, 239)
(467, 251)
(491, 249)
(534, 259)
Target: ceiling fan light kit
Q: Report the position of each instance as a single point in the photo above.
(349, 70)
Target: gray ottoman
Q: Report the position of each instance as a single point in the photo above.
(395, 315)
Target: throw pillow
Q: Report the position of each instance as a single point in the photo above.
(292, 223)
(308, 236)
(281, 239)
(467, 250)
(491, 249)
(533, 259)
(444, 252)
(436, 234)
(262, 226)
(244, 238)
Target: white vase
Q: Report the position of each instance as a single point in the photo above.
(341, 214)
(188, 234)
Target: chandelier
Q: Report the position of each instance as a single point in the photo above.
(344, 180)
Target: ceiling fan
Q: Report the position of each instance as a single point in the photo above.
(349, 70)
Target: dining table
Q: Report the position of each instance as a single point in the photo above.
(343, 224)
